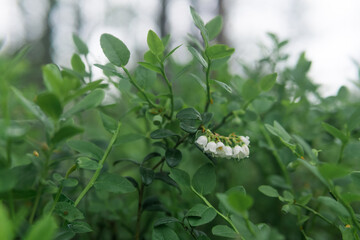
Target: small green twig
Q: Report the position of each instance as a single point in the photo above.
(142, 91)
(315, 213)
(101, 163)
(58, 194)
(168, 83)
(208, 101)
(227, 219)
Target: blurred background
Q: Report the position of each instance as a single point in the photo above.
(327, 30)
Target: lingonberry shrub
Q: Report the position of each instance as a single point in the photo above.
(168, 155)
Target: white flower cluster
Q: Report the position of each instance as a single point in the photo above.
(219, 149)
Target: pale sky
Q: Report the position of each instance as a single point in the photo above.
(327, 30)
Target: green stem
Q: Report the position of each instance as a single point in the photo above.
(275, 154)
(138, 218)
(170, 89)
(315, 213)
(227, 219)
(101, 163)
(348, 208)
(57, 197)
(208, 101)
(37, 200)
(142, 91)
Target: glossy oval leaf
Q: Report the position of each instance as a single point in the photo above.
(114, 183)
(87, 163)
(224, 231)
(164, 233)
(180, 176)
(80, 45)
(269, 191)
(214, 27)
(155, 44)
(219, 51)
(173, 157)
(115, 50)
(49, 104)
(200, 214)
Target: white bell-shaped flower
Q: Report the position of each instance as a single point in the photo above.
(245, 140)
(202, 141)
(220, 149)
(228, 152)
(238, 152)
(210, 148)
(245, 150)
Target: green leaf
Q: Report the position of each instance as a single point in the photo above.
(43, 229)
(6, 227)
(335, 132)
(147, 175)
(80, 45)
(88, 87)
(165, 220)
(155, 44)
(188, 114)
(334, 206)
(115, 50)
(164, 176)
(204, 179)
(223, 85)
(86, 148)
(90, 101)
(65, 133)
(269, 191)
(68, 211)
(150, 66)
(250, 90)
(87, 163)
(70, 182)
(214, 27)
(162, 133)
(114, 183)
(53, 79)
(173, 157)
(198, 56)
(314, 170)
(49, 104)
(77, 64)
(172, 51)
(219, 51)
(164, 233)
(34, 109)
(109, 123)
(201, 82)
(354, 120)
(180, 176)
(239, 201)
(224, 231)
(149, 57)
(79, 227)
(332, 171)
(200, 214)
(267, 82)
(199, 23)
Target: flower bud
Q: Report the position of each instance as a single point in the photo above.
(210, 148)
(202, 141)
(245, 140)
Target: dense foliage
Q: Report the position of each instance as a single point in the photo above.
(166, 154)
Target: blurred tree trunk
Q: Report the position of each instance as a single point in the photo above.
(46, 37)
(162, 21)
(222, 12)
